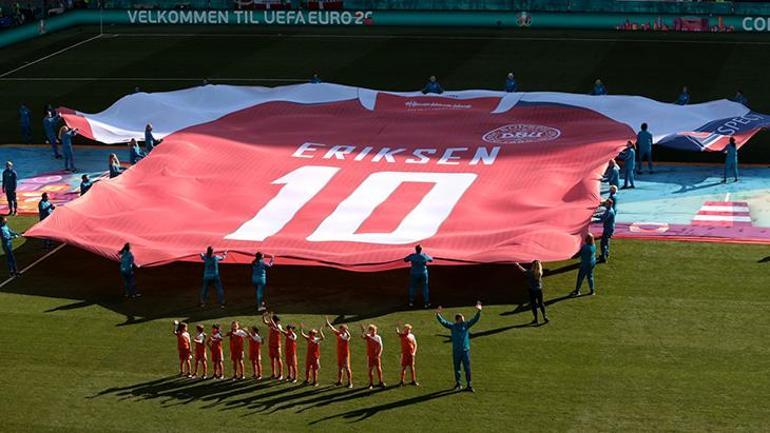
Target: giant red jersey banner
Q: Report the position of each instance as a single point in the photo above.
(323, 174)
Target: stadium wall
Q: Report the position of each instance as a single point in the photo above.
(550, 20)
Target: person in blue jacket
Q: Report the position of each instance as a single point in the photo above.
(114, 165)
(7, 236)
(683, 98)
(612, 176)
(259, 278)
(629, 162)
(644, 144)
(50, 122)
(599, 88)
(44, 210)
(587, 265)
(418, 275)
(535, 282)
(315, 79)
(608, 223)
(461, 344)
(134, 152)
(24, 121)
(731, 160)
(511, 85)
(127, 267)
(85, 184)
(432, 86)
(211, 276)
(66, 134)
(10, 183)
(149, 140)
(741, 98)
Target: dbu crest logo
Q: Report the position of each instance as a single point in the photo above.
(521, 133)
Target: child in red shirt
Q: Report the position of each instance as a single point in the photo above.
(373, 353)
(291, 353)
(255, 352)
(237, 335)
(183, 347)
(313, 359)
(274, 344)
(408, 353)
(200, 352)
(215, 346)
(343, 352)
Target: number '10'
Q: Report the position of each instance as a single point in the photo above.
(304, 183)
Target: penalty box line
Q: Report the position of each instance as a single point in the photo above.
(30, 266)
(63, 50)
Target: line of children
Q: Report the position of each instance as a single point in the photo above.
(314, 337)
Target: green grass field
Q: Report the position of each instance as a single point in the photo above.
(675, 341)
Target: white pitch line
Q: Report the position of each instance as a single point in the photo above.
(734, 209)
(723, 218)
(26, 65)
(199, 79)
(50, 253)
(437, 37)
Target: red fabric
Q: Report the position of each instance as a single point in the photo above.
(201, 184)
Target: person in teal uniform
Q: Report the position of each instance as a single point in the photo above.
(612, 176)
(259, 278)
(418, 275)
(10, 183)
(599, 88)
(683, 98)
(7, 236)
(50, 122)
(211, 276)
(511, 85)
(629, 163)
(114, 166)
(644, 144)
(614, 197)
(135, 153)
(127, 267)
(45, 209)
(85, 184)
(587, 265)
(608, 223)
(149, 140)
(432, 86)
(731, 160)
(66, 134)
(461, 344)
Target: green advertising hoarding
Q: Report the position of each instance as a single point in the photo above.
(549, 20)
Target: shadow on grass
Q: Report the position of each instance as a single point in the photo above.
(171, 291)
(764, 260)
(255, 396)
(357, 415)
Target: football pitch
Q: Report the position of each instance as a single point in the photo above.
(675, 340)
